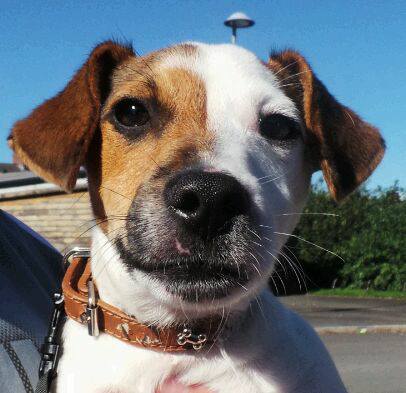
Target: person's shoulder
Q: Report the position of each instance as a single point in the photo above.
(16, 228)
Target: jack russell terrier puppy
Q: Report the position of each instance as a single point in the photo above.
(199, 159)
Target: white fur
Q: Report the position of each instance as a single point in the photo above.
(269, 349)
(274, 350)
(238, 88)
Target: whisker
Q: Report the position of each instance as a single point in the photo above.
(309, 242)
(257, 299)
(90, 228)
(255, 234)
(115, 192)
(265, 177)
(238, 267)
(280, 263)
(290, 84)
(221, 327)
(296, 271)
(256, 259)
(299, 268)
(228, 360)
(77, 200)
(280, 279)
(273, 256)
(286, 67)
(242, 286)
(306, 214)
(108, 243)
(292, 76)
(276, 287)
(275, 178)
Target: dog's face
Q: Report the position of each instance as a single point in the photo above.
(199, 158)
(207, 150)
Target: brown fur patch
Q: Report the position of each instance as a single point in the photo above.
(176, 137)
(346, 148)
(60, 135)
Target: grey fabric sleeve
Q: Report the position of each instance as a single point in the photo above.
(30, 272)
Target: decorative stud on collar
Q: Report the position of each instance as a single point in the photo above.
(187, 337)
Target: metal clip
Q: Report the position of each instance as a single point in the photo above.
(75, 252)
(50, 346)
(187, 337)
(91, 310)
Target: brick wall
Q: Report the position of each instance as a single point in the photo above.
(63, 219)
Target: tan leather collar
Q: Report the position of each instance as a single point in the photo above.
(82, 305)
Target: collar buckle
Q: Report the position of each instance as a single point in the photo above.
(75, 252)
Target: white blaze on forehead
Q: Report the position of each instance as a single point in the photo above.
(237, 83)
(239, 88)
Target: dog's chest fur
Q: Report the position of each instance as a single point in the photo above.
(107, 365)
(283, 357)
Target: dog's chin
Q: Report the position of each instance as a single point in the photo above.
(183, 297)
(184, 289)
(199, 281)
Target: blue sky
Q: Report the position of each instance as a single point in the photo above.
(357, 48)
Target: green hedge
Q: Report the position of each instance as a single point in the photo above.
(368, 231)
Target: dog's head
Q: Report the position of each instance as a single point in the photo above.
(197, 156)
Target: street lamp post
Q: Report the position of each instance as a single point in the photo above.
(238, 20)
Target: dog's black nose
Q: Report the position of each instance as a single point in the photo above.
(206, 202)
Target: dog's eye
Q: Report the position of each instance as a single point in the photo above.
(279, 127)
(131, 113)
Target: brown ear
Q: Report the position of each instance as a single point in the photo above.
(346, 148)
(54, 138)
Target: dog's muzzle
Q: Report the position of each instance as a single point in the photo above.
(197, 237)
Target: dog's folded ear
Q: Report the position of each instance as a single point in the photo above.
(53, 140)
(345, 148)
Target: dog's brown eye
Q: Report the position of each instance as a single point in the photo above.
(131, 113)
(279, 127)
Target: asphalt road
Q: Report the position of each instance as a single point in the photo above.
(343, 311)
(370, 363)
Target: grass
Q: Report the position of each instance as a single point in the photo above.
(347, 292)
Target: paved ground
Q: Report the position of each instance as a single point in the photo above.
(368, 363)
(341, 311)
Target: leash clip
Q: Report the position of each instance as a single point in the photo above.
(50, 346)
(91, 316)
(188, 337)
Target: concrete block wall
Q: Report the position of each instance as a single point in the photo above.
(63, 219)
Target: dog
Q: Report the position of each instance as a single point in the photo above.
(199, 159)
